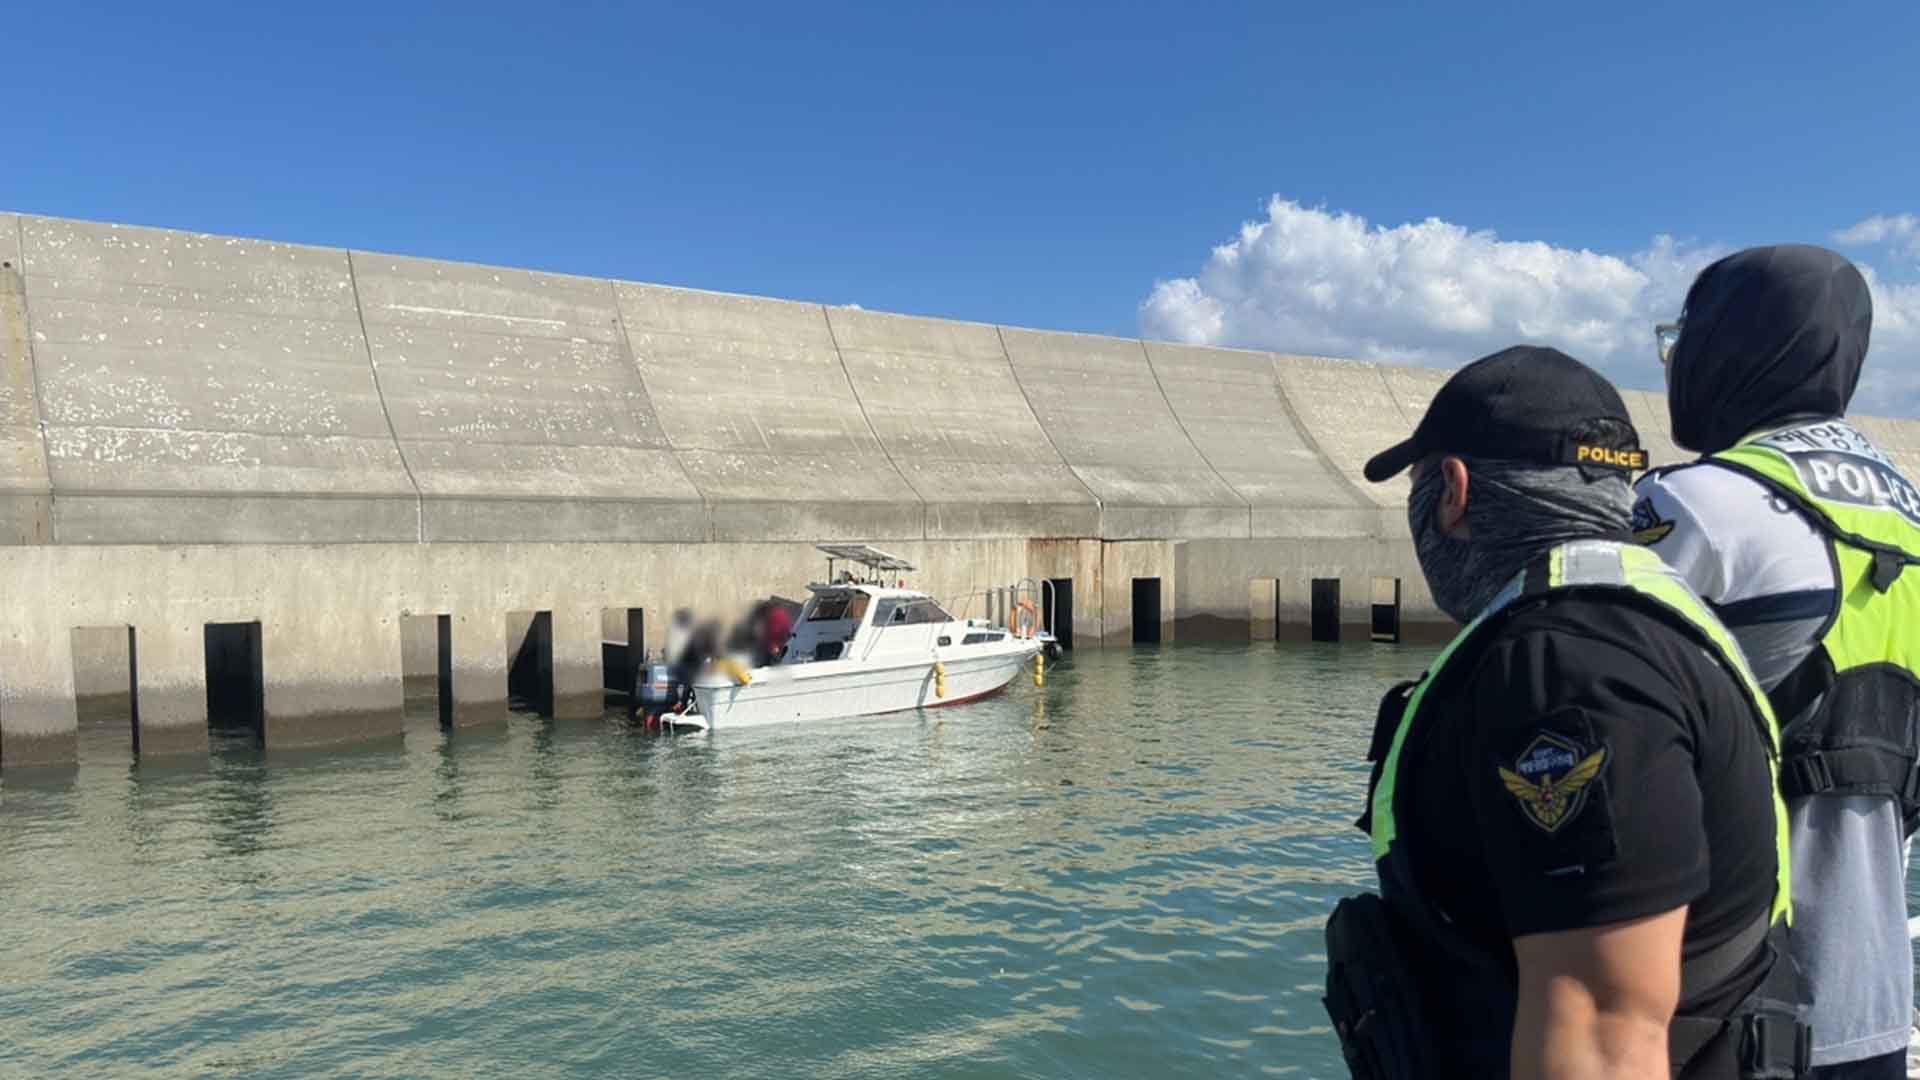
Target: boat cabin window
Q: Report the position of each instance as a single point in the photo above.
(898, 611)
(830, 606)
(829, 621)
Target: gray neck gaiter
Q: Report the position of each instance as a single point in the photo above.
(1517, 513)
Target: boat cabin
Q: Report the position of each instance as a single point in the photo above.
(860, 610)
(881, 620)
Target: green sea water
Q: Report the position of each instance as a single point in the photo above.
(1123, 874)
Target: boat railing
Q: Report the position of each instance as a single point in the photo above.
(1034, 594)
(1042, 591)
(1001, 602)
(960, 605)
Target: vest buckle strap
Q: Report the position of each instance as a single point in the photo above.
(1775, 1047)
(1808, 774)
(1887, 566)
(1910, 791)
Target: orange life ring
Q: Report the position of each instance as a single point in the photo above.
(1032, 618)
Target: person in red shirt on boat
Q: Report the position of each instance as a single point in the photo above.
(779, 627)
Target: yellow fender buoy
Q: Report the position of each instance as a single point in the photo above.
(733, 670)
(1039, 669)
(939, 679)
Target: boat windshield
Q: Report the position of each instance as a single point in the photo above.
(903, 611)
(828, 606)
(834, 606)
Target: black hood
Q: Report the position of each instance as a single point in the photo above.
(1769, 334)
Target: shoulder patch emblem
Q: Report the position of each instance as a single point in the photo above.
(1551, 778)
(1648, 526)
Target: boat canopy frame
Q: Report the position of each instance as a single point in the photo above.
(875, 560)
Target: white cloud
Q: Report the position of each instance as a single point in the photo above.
(1899, 232)
(1890, 385)
(1309, 280)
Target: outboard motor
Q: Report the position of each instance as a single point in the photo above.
(655, 693)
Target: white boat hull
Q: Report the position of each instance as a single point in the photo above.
(803, 693)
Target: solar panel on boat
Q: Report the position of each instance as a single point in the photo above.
(865, 555)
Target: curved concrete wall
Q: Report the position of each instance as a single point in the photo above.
(758, 407)
(168, 387)
(340, 446)
(1349, 411)
(1649, 413)
(1899, 438)
(517, 407)
(205, 389)
(1102, 406)
(1230, 405)
(942, 399)
(1413, 389)
(25, 488)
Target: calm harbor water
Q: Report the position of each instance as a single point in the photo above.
(1123, 874)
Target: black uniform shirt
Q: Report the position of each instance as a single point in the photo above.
(1595, 765)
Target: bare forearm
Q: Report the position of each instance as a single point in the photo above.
(1571, 1040)
(1595, 1004)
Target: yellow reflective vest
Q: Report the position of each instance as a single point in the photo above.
(1852, 708)
(1764, 1026)
(1639, 575)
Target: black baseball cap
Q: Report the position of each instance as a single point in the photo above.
(1526, 403)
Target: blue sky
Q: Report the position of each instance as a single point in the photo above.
(1042, 165)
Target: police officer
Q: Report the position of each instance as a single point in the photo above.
(1574, 815)
(1805, 537)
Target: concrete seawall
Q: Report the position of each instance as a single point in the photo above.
(342, 447)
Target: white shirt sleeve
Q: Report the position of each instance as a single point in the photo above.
(1765, 569)
(1663, 521)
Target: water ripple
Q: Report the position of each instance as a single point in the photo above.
(1124, 875)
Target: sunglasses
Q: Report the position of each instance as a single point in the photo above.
(1665, 336)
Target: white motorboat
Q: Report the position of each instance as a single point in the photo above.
(862, 647)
